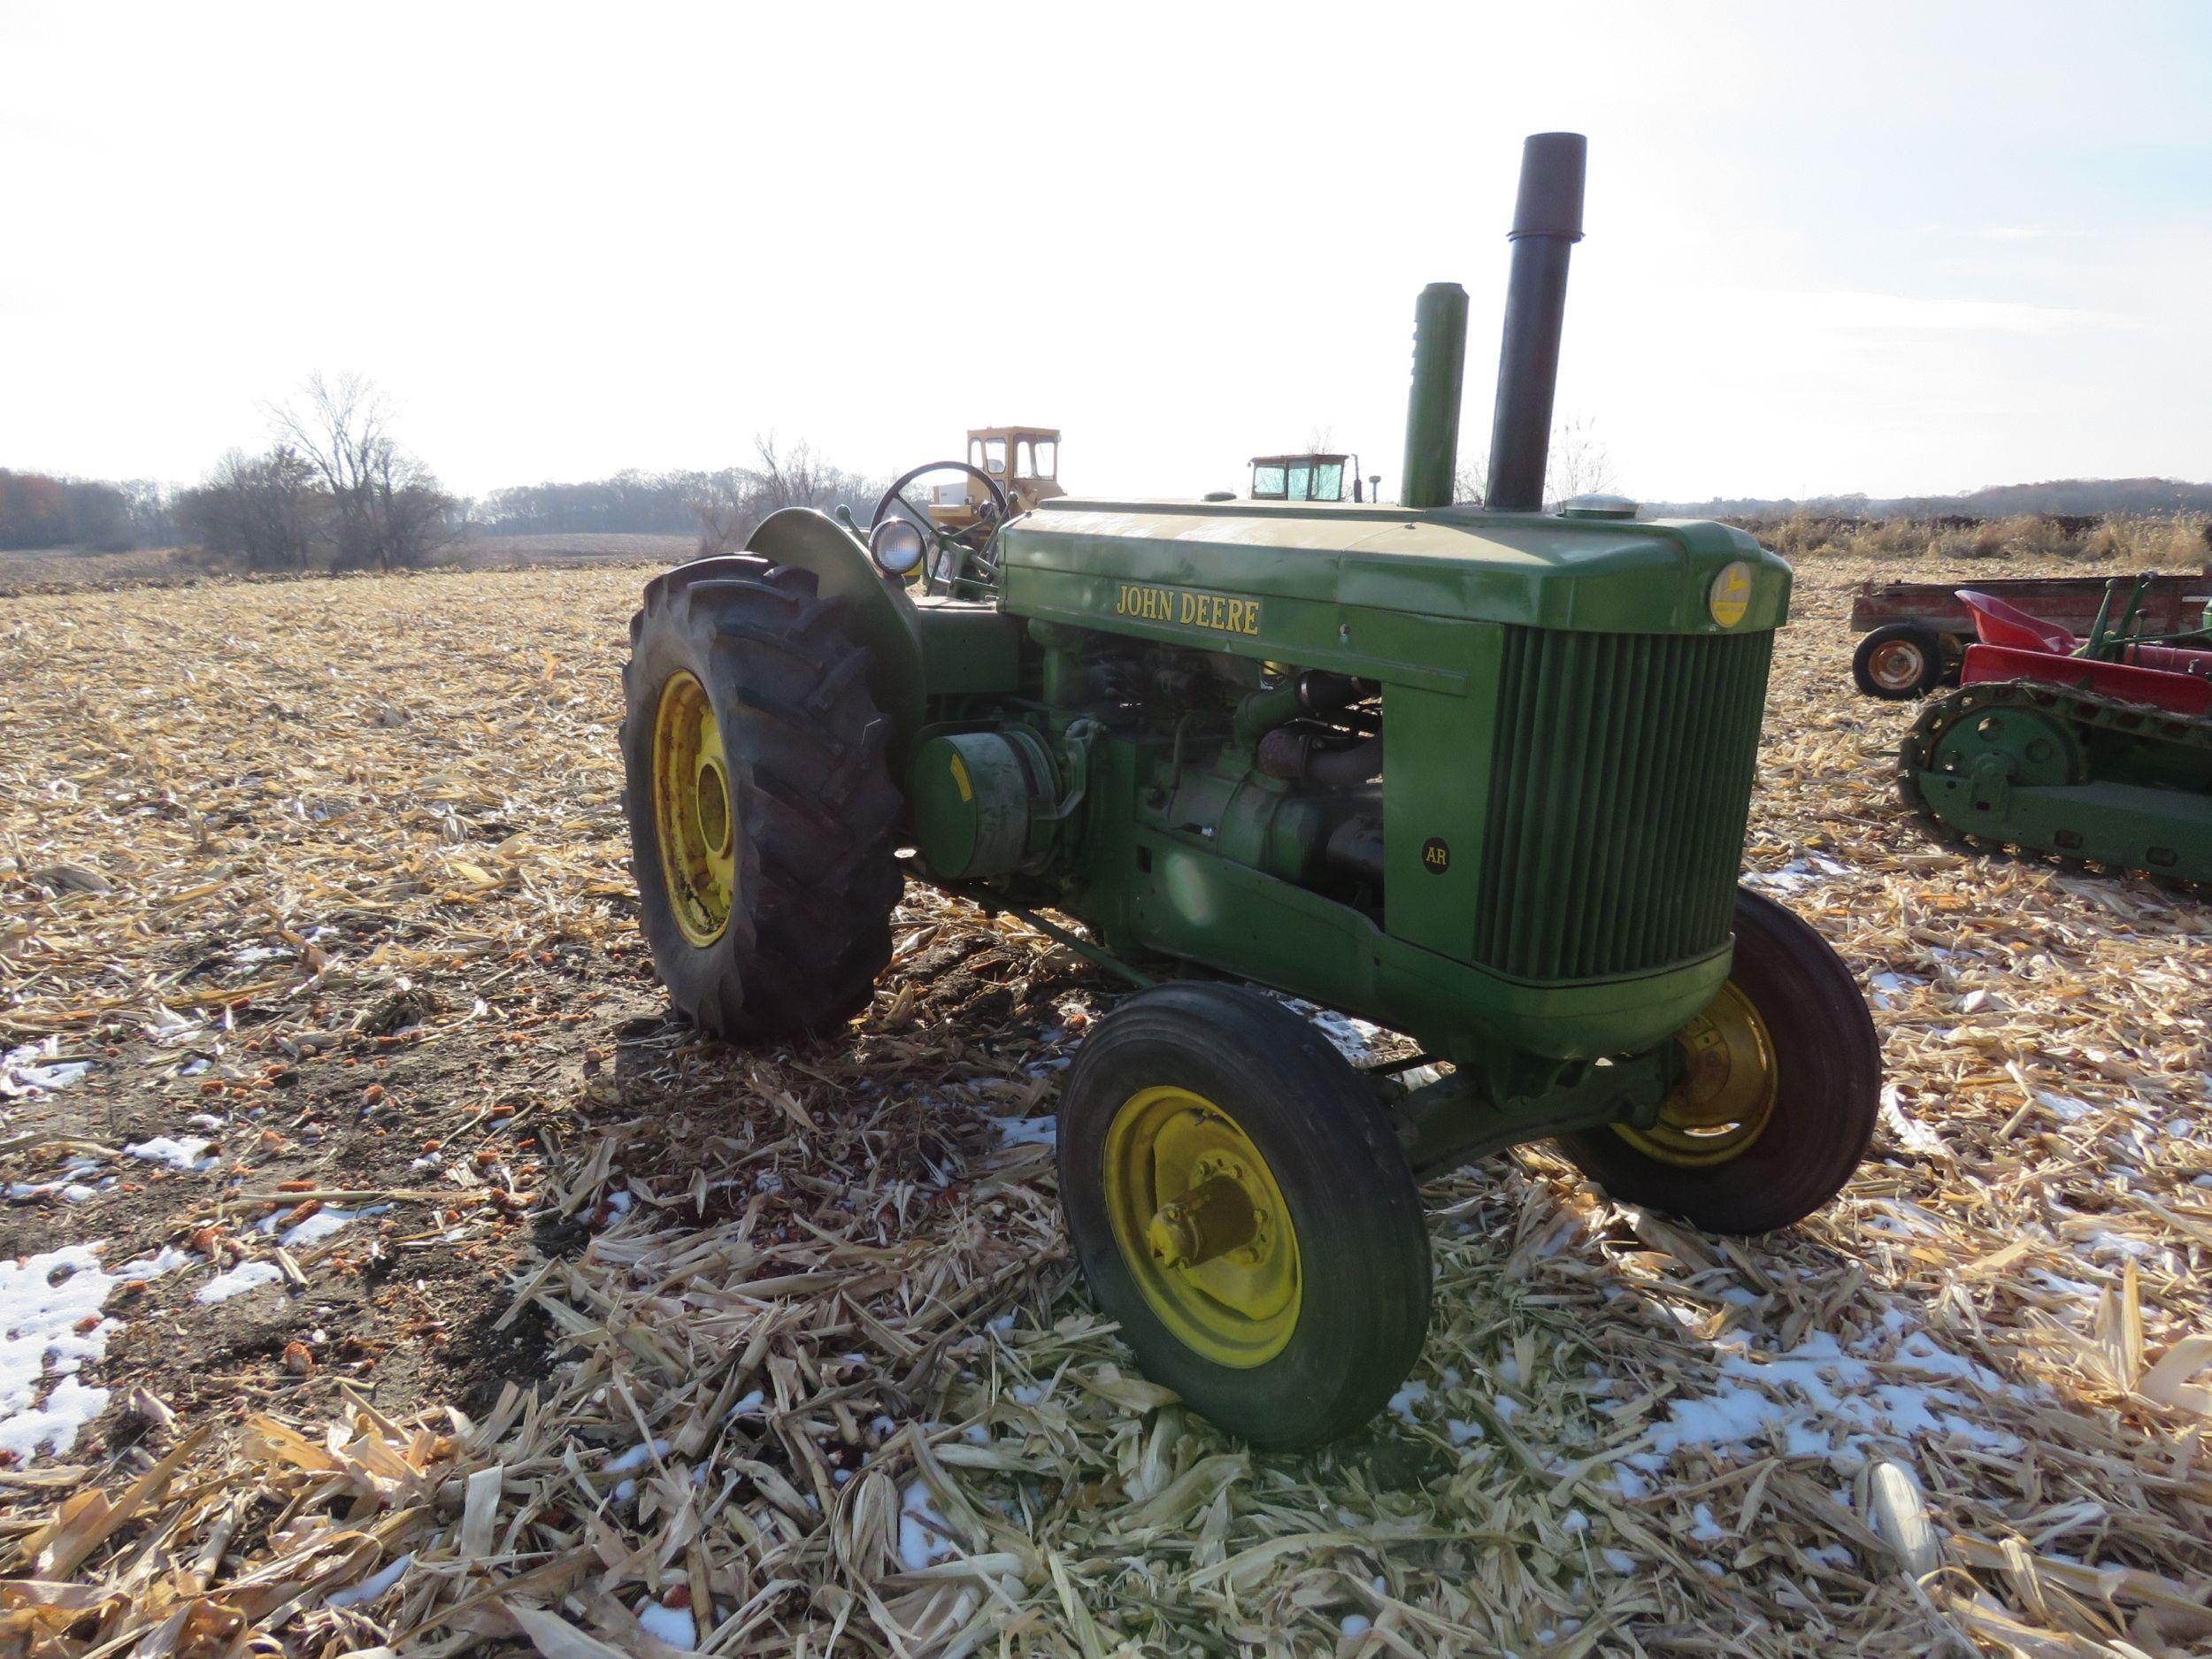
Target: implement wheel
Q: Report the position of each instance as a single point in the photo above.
(1898, 662)
(760, 801)
(1239, 1203)
(1782, 1081)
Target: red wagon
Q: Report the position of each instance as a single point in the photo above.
(1917, 632)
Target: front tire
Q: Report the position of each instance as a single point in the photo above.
(1202, 1118)
(759, 799)
(1782, 1085)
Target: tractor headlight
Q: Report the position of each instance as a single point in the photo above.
(895, 544)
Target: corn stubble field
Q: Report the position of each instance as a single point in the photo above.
(435, 1291)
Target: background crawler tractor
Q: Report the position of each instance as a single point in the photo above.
(1479, 773)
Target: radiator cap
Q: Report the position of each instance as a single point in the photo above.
(1598, 507)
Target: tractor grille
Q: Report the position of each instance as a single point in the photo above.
(1620, 786)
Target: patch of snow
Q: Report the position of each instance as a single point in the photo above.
(1019, 1132)
(637, 1456)
(51, 1326)
(204, 1120)
(749, 1405)
(1912, 1134)
(316, 1227)
(182, 1154)
(923, 1537)
(166, 1260)
(1704, 1528)
(1463, 1431)
(670, 1624)
(1799, 1398)
(32, 1070)
(1409, 1395)
(244, 1277)
(1803, 872)
(1357, 1624)
(1354, 1039)
(372, 1586)
(1619, 1561)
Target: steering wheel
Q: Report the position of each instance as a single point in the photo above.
(971, 540)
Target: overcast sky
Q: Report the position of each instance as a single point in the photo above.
(1897, 249)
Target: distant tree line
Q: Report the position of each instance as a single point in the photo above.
(40, 510)
(335, 488)
(720, 508)
(2082, 497)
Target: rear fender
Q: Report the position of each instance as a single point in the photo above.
(882, 614)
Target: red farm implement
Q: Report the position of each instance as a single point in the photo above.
(1915, 634)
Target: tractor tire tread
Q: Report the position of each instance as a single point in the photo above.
(811, 791)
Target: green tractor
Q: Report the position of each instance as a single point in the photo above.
(1478, 774)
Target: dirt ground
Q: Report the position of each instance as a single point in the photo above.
(583, 1331)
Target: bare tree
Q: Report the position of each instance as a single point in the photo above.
(1578, 464)
(386, 508)
(731, 502)
(263, 510)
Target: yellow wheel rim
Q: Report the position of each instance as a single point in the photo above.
(1726, 1094)
(692, 811)
(1202, 1227)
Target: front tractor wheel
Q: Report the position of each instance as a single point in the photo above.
(1781, 1081)
(759, 799)
(1239, 1203)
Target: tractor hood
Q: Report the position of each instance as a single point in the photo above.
(1256, 577)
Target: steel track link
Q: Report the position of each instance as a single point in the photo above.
(2081, 709)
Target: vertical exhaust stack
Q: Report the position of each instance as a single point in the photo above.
(1440, 364)
(1547, 224)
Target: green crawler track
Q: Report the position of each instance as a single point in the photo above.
(2053, 769)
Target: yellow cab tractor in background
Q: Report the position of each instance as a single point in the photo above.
(1024, 461)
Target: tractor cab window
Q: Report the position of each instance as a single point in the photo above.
(1047, 458)
(1024, 460)
(995, 456)
(1300, 483)
(1267, 483)
(1328, 481)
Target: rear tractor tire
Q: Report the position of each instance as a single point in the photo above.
(1781, 1084)
(1239, 1203)
(759, 797)
(1899, 662)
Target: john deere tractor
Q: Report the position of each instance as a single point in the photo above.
(1477, 773)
